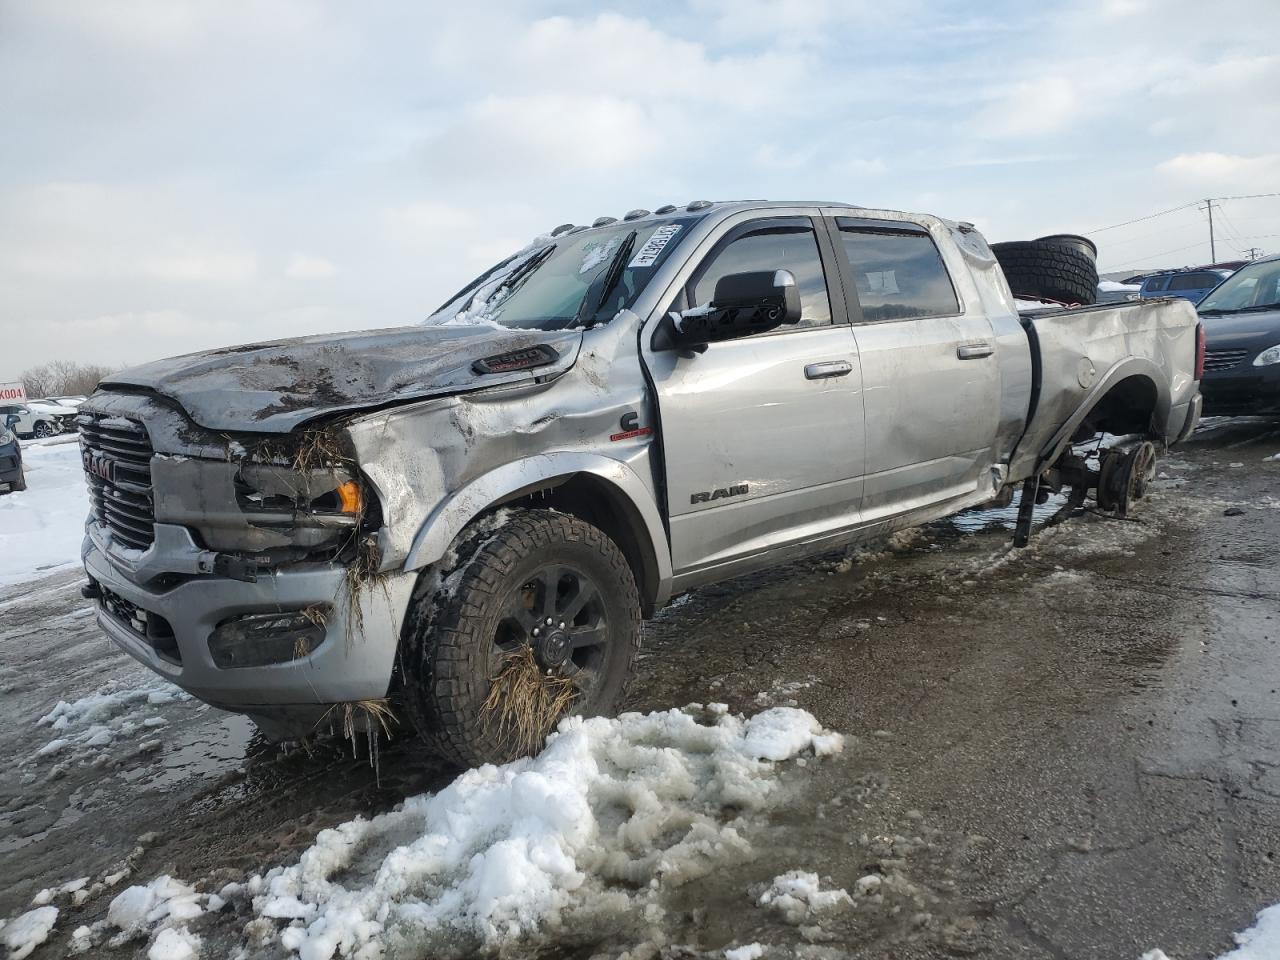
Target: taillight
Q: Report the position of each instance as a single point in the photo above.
(1199, 351)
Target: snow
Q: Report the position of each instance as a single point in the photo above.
(750, 951)
(585, 828)
(797, 895)
(25, 933)
(598, 253)
(112, 713)
(162, 902)
(174, 944)
(41, 528)
(1111, 286)
(479, 306)
(1259, 942)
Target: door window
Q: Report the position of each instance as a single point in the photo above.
(768, 248)
(1156, 283)
(899, 274)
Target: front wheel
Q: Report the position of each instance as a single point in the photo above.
(44, 429)
(540, 618)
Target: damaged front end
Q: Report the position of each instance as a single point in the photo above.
(243, 567)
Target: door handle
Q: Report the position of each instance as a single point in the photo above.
(974, 351)
(829, 368)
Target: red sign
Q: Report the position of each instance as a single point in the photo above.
(12, 392)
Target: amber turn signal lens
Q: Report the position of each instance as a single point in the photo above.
(349, 496)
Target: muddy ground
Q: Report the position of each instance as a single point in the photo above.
(1071, 751)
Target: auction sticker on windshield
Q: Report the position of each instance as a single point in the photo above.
(653, 246)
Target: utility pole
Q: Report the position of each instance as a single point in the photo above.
(1253, 253)
(1213, 250)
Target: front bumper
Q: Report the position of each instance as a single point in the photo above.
(1242, 390)
(354, 661)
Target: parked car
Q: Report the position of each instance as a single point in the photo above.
(12, 476)
(38, 418)
(612, 417)
(73, 401)
(1242, 333)
(1188, 284)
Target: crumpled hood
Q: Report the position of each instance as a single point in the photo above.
(272, 387)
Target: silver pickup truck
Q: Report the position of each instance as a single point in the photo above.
(619, 413)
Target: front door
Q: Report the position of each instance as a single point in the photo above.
(761, 436)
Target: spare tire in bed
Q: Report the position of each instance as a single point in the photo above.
(1062, 267)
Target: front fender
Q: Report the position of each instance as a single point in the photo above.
(453, 513)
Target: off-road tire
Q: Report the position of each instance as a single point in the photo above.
(1051, 268)
(448, 643)
(43, 429)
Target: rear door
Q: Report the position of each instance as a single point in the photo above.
(761, 436)
(931, 382)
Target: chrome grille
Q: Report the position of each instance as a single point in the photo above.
(1223, 359)
(117, 466)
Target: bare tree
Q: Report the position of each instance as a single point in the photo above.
(59, 378)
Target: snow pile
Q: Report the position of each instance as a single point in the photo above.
(797, 895)
(595, 827)
(750, 951)
(23, 934)
(1112, 286)
(175, 944)
(110, 714)
(41, 528)
(1259, 942)
(49, 894)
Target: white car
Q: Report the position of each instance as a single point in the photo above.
(39, 418)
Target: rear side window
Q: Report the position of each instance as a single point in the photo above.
(1155, 283)
(1193, 281)
(898, 273)
(772, 248)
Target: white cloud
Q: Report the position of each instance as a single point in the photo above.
(1224, 170)
(179, 174)
(303, 267)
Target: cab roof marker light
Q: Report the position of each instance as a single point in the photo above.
(603, 221)
(562, 229)
(668, 208)
(635, 214)
(698, 205)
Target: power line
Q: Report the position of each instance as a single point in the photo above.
(1152, 256)
(1152, 216)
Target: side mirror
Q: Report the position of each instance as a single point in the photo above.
(743, 304)
(10, 421)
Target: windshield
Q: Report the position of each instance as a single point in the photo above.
(1254, 287)
(577, 279)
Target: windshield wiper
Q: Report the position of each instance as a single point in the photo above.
(517, 276)
(599, 291)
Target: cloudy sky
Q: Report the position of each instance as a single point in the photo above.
(176, 176)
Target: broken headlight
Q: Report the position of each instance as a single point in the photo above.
(325, 497)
